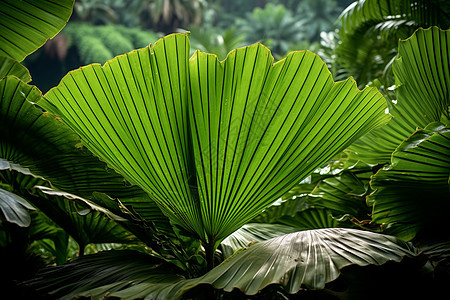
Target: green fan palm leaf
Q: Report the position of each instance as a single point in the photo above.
(213, 143)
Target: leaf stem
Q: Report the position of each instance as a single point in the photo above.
(209, 255)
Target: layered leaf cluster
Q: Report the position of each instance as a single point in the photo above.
(208, 145)
(422, 85)
(306, 259)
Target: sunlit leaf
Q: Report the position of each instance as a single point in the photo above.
(255, 128)
(14, 208)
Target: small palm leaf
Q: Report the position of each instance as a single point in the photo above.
(343, 193)
(413, 194)
(371, 30)
(213, 142)
(376, 12)
(47, 148)
(43, 230)
(422, 74)
(26, 25)
(14, 209)
(297, 213)
(81, 221)
(99, 275)
(9, 66)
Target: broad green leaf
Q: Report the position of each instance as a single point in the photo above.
(296, 260)
(251, 233)
(213, 143)
(258, 128)
(14, 208)
(422, 74)
(26, 25)
(304, 259)
(9, 66)
(413, 194)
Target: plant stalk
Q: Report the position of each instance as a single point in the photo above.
(209, 255)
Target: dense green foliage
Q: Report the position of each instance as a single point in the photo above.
(167, 172)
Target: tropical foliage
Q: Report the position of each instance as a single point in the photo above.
(162, 175)
(371, 30)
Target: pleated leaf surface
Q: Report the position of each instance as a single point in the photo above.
(213, 142)
(34, 145)
(251, 233)
(413, 194)
(9, 66)
(25, 25)
(422, 74)
(308, 258)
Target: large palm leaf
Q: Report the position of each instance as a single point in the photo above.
(307, 259)
(343, 193)
(82, 219)
(213, 142)
(100, 274)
